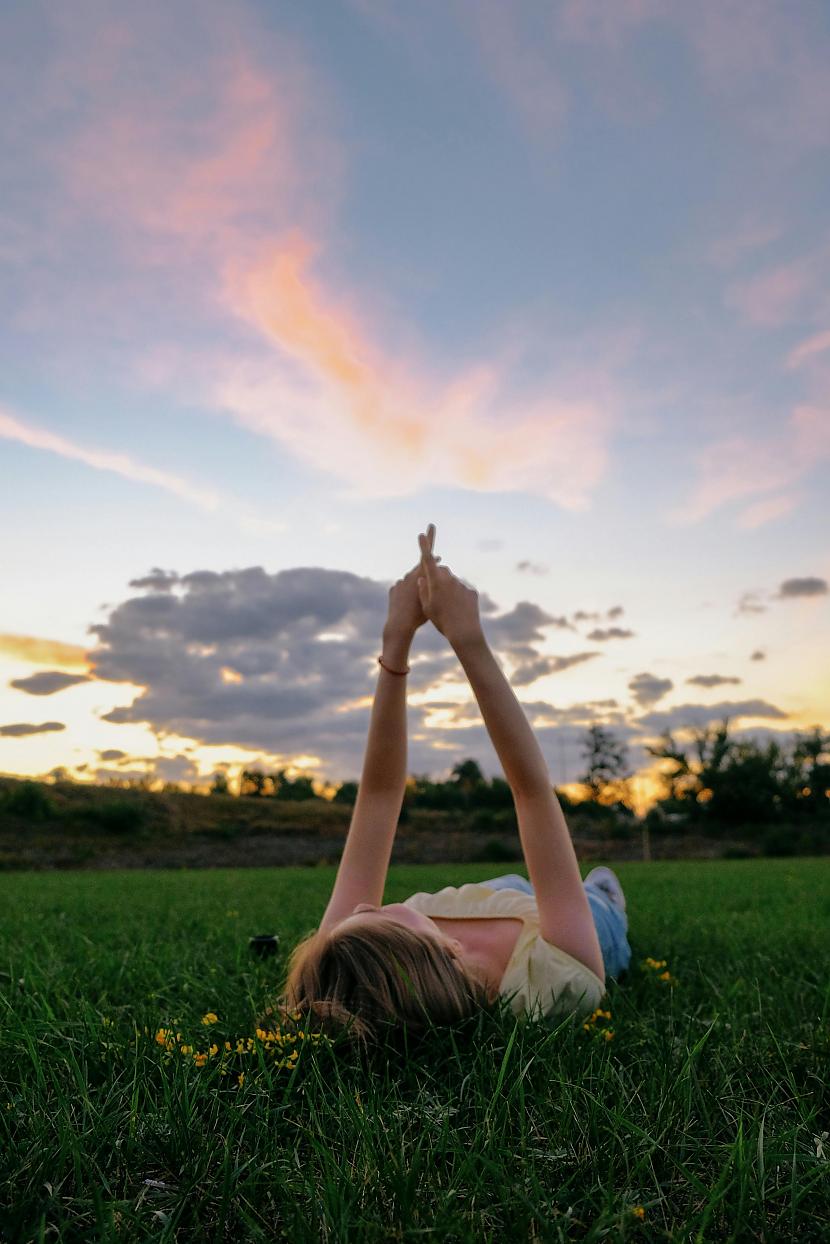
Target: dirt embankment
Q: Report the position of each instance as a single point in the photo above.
(66, 826)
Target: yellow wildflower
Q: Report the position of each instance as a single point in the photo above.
(163, 1035)
(200, 1059)
(241, 1078)
(638, 1211)
(227, 1045)
(210, 1018)
(214, 1049)
(608, 1034)
(186, 1049)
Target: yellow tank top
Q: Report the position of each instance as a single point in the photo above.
(540, 979)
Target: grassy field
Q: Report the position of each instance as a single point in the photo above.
(705, 1116)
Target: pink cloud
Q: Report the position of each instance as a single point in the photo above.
(817, 344)
(750, 235)
(382, 427)
(771, 298)
(770, 68)
(596, 21)
(208, 157)
(13, 429)
(197, 170)
(520, 66)
(736, 468)
(191, 134)
(762, 512)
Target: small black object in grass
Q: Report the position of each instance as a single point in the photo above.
(264, 944)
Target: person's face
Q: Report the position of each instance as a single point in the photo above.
(401, 914)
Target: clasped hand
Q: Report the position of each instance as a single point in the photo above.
(431, 593)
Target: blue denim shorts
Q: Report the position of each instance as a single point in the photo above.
(611, 922)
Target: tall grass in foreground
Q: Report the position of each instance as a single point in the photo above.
(704, 1117)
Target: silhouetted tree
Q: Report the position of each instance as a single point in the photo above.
(496, 794)
(252, 782)
(606, 761)
(679, 783)
(741, 782)
(808, 774)
(429, 794)
(468, 779)
(219, 786)
(282, 786)
(345, 793)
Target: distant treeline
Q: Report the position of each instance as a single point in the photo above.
(712, 780)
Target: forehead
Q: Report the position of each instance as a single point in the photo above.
(397, 913)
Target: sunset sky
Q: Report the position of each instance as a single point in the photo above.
(282, 283)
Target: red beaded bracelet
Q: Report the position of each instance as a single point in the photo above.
(386, 667)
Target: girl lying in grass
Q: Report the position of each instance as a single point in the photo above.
(544, 946)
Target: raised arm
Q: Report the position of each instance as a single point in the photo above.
(361, 875)
(565, 917)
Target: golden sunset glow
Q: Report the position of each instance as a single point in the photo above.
(47, 652)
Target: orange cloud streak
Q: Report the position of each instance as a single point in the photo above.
(44, 652)
(381, 425)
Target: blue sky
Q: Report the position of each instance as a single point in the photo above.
(283, 284)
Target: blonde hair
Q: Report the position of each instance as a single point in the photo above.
(369, 980)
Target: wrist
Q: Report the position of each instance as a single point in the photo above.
(472, 641)
(395, 648)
